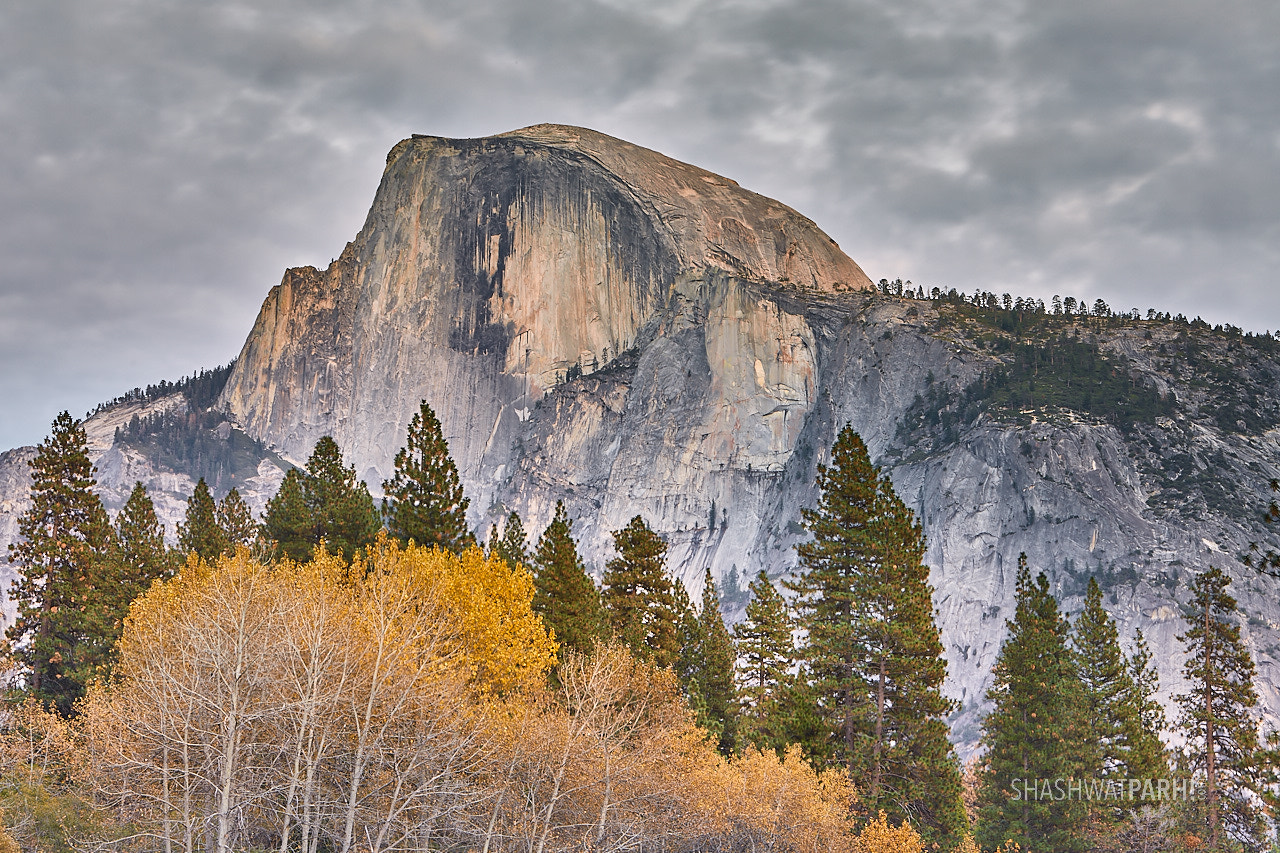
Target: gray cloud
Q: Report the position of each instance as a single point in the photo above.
(162, 162)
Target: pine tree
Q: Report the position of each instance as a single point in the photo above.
(1216, 714)
(287, 520)
(513, 546)
(1104, 675)
(236, 520)
(140, 544)
(424, 501)
(874, 650)
(1035, 731)
(1147, 757)
(638, 597)
(1118, 696)
(715, 682)
(341, 509)
(200, 533)
(323, 502)
(136, 558)
(564, 595)
(65, 537)
(765, 653)
(688, 637)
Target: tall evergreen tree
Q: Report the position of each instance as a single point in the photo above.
(287, 520)
(766, 651)
(139, 543)
(873, 649)
(65, 537)
(1217, 713)
(513, 547)
(688, 637)
(1035, 731)
(200, 533)
(341, 509)
(563, 593)
(1147, 757)
(715, 682)
(1117, 704)
(325, 501)
(236, 520)
(424, 501)
(137, 557)
(638, 596)
(1104, 677)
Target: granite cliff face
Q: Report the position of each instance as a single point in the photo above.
(500, 266)
(597, 323)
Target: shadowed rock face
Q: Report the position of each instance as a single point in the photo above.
(500, 267)
(596, 323)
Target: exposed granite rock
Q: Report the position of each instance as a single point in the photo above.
(597, 323)
(117, 468)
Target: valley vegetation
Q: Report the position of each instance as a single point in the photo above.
(341, 677)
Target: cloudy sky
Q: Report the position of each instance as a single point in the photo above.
(163, 161)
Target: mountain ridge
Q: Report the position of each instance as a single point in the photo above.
(620, 344)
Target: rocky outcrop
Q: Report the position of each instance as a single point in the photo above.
(118, 466)
(599, 324)
(501, 266)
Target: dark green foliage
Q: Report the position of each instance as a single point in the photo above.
(713, 676)
(1216, 714)
(193, 444)
(341, 509)
(874, 651)
(1146, 757)
(200, 533)
(513, 547)
(1119, 704)
(1064, 373)
(687, 636)
(325, 501)
(137, 558)
(1067, 374)
(61, 559)
(638, 597)
(1104, 682)
(287, 520)
(563, 594)
(201, 389)
(140, 544)
(765, 653)
(800, 720)
(1037, 730)
(424, 501)
(236, 520)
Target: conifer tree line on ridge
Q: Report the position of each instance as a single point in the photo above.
(841, 669)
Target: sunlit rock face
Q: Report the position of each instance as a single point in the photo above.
(491, 270)
(596, 323)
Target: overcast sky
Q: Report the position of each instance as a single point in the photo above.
(163, 161)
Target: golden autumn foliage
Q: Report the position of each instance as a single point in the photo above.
(402, 703)
(762, 802)
(879, 837)
(489, 601)
(42, 775)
